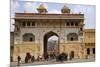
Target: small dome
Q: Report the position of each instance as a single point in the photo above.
(65, 9)
(41, 6)
(42, 9)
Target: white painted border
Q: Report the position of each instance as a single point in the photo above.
(5, 32)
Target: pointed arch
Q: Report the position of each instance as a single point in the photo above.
(46, 36)
(72, 37)
(29, 37)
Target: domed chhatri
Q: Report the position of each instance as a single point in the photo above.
(65, 9)
(42, 9)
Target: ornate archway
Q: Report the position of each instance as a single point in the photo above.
(46, 37)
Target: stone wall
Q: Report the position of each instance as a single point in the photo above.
(37, 50)
(22, 49)
(68, 47)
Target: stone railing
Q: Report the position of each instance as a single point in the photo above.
(48, 16)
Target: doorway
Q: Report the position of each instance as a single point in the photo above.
(51, 43)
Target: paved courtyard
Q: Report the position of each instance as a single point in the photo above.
(14, 64)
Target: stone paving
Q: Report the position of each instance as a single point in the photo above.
(14, 64)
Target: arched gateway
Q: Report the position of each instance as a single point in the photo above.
(32, 31)
(55, 46)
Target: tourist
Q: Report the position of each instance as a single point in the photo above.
(38, 58)
(32, 59)
(26, 59)
(19, 59)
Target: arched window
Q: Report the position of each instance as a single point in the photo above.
(33, 23)
(67, 24)
(72, 37)
(72, 23)
(93, 50)
(24, 24)
(76, 24)
(28, 37)
(28, 24)
(88, 51)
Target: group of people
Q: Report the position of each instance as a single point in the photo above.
(45, 57)
(28, 58)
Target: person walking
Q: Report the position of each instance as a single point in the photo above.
(19, 59)
(32, 59)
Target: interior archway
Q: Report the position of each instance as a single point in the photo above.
(47, 37)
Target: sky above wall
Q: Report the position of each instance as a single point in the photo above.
(20, 6)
